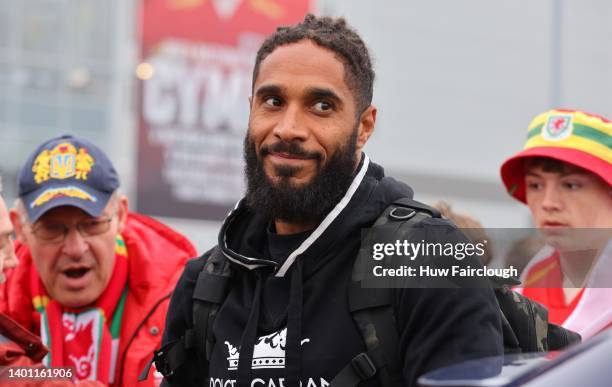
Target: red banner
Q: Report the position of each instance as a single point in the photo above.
(196, 66)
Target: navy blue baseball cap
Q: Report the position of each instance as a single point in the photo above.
(67, 171)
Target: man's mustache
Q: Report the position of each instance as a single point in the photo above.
(291, 148)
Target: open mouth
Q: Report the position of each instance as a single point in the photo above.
(76, 272)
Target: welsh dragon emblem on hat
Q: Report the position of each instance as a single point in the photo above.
(558, 127)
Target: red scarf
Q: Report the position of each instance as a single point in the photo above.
(85, 339)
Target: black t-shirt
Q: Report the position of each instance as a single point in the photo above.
(275, 292)
(280, 246)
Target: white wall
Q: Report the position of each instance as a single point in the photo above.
(459, 81)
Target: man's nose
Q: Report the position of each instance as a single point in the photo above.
(74, 243)
(291, 126)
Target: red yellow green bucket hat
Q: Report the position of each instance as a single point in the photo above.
(572, 136)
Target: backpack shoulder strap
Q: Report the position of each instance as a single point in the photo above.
(211, 289)
(372, 308)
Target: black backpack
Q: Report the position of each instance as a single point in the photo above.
(525, 325)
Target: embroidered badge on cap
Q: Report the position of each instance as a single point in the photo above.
(62, 162)
(558, 127)
(52, 193)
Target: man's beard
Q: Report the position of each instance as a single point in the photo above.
(305, 203)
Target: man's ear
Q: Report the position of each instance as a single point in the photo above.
(367, 120)
(122, 212)
(18, 226)
(250, 102)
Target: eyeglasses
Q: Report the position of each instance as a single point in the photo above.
(56, 232)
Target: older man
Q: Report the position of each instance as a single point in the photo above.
(18, 346)
(94, 280)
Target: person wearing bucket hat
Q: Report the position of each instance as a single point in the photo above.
(93, 279)
(564, 175)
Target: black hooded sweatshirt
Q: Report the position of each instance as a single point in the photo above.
(287, 312)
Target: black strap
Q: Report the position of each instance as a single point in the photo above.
(201, 322)
(362, 367)
(211, 289)
(380, 335)
(209, 294)
(170, 357)
(372, 308)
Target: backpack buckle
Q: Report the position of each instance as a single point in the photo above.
(402, 213)
(162, 366)
(363, 366)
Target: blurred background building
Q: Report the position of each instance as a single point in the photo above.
(457, 84)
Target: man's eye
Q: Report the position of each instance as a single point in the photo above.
(323, 106)
(50, 230)
(52, 227)
(273, 101)
(93, 225)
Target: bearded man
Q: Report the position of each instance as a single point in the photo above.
(290, 244)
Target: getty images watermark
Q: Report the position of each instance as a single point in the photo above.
(430, 257)
(411, 251)
(442, 256)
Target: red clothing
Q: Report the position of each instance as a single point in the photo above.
(18, 346)
(156, 256)
(546, 287)
(21, 348)
(590, 312)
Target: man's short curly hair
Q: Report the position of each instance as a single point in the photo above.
(333, 34)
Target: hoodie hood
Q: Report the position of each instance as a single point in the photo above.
(242, 237)
(244, 241)
(286, 318)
